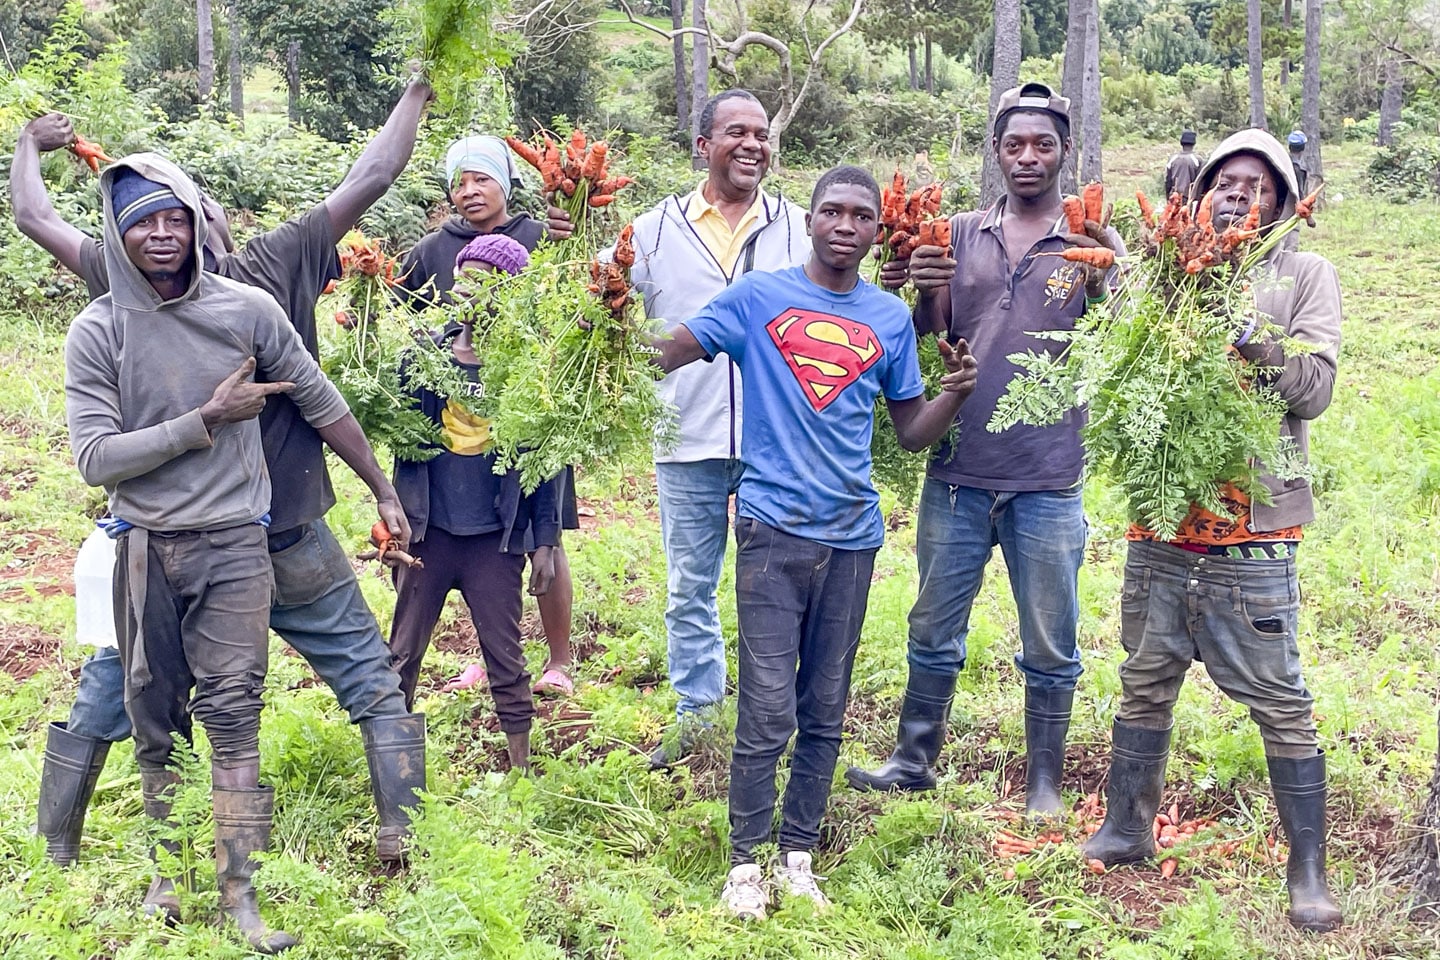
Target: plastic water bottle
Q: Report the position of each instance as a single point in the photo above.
(94, 608)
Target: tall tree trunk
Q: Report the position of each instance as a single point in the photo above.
(204, 20)
(682, 78)
(1310, 91)
(699, 79)
(929, 66)
(236, 67)
(1286, 19)
(1090, 166)
(1072, 83)
(1004, 74)
(292, 80)
(1392, 98)
(908, 12)
(1257, 64)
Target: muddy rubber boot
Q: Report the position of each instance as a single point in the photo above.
(67, 781)
(1299, 787)
(158, 789)
(242, 827)
(395, 754)
(921, 732)
(1047, 721)
(1137, 776)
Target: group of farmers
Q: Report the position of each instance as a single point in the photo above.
(194, 397)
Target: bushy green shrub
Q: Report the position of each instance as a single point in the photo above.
(1407, 170)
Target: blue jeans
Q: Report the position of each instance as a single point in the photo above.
(694, 523)
(801, 605)
(1042, 536)
(318, 610)
(1238, 616)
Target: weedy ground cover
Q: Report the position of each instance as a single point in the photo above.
(596, 857)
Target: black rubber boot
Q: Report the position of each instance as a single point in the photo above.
(242, 827)
(157, 787)
(67, 781)
(1299, 787)
(1047, 721)
(1137, 776)
(395, 753)
(923, 714)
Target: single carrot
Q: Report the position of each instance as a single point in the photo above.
(1175, 813)
(942, 233)
(1097, 867)
(1074, 214)
(1147, 209)
(1206, 213)
(926, 235)
(594, 166)
(1101, 257)
(380, 534)
(89, 152)
(1094, 197)
(1305, 207)
(1167, 868)
(602, 199)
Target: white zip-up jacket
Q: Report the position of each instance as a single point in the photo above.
(677, 275)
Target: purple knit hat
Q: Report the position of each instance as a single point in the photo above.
(496, 249)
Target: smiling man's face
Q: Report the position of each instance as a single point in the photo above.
(738, 149)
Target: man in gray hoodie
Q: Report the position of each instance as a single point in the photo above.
(318, 608)
(1225, 589)
(161, 404)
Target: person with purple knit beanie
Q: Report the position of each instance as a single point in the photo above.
(470, 525)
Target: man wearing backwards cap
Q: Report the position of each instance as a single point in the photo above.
(318, 608)
(161, 403)
(1020, 489)
(1181, 170)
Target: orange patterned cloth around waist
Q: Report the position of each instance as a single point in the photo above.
(1203, 528)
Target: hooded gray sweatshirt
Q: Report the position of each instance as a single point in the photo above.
(1301, 294)
(138, 369)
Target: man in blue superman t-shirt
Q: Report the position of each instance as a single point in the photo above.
(815, 346)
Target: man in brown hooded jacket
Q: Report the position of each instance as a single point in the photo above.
(1225, 590)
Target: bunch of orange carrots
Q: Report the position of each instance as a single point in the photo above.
(363, 257)
(580, 180)
(1089, 207)
(611, 281)
(904, 215)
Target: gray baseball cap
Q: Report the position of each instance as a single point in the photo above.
(1032, 96)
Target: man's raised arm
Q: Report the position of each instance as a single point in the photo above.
(34, 213)
(381, 162)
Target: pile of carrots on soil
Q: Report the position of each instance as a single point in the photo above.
(1172, 833)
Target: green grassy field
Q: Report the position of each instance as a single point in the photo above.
(596, 857)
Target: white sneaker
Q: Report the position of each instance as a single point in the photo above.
(794, 878)
(744, 895)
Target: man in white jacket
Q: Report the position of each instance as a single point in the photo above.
(688, 249)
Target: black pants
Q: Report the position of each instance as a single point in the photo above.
(801, 605)
(491, 583)
(207, 610)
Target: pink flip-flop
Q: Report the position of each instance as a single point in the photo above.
(555, 682)
(472, 676)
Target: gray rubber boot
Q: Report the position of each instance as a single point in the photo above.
(242, 827)
(1047, 721)
(157, 787)
(921, 733)
(395, 753)
(67, 781)
(1299, 787)
(1137, 777)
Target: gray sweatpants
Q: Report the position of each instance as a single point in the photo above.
(207, 612)
(1238, 617)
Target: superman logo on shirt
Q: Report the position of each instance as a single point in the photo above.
(826, 353)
